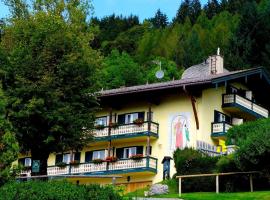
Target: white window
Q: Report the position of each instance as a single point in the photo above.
(27, 162)
(221, 117)
(129, 152)
(101, 121)
(66, 158)
(99, 154)
(129, 118)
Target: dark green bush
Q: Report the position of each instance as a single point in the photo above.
(190, 161)
(56, 190)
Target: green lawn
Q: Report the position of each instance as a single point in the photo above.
(261, 195)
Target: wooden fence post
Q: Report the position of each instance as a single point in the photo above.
(217, 184)
(180, 187)
(251, 183)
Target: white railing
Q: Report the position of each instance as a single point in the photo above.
(124, 164)
(26, 173)
(231, 149)
(220, 127)
(126, 129)
(234, 98)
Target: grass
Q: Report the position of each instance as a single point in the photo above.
(260, 195)
(173, 188)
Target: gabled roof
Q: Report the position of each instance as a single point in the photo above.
(201, 80)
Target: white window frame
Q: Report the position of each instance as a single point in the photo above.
(221, 117)
(66, 158)
(27, 162)
(129, 118)
(129, 151)
(102, 121)
(99, 154)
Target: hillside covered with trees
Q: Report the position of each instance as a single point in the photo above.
(239, 27)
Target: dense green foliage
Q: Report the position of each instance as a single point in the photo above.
(239, 27)
(49, 76)
(254, 145)
(190, 161)
(56, 190)
(9, 147)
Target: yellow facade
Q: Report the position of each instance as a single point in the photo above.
(169, 104)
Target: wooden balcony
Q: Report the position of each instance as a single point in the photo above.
(121, 166)
(238, 104)
(219, 129)
(127, 131)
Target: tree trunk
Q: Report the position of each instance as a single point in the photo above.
(42, 156)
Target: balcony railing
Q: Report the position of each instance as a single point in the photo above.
(220, 128)
(242, 102)
(123, 130)
(120, 166)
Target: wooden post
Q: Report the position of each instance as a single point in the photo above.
(217, 184)
(180, 187)
(148, 129)
(251, 183)
(114, 180)
(109, 133)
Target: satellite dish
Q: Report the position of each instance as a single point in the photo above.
(159, 74)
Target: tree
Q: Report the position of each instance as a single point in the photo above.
(183, 12)
(120, 70)
(190, 9)
(160, 20)
(9, 147)
(252, 138)
(50, 78)
(212, 8)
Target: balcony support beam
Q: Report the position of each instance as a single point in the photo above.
(148, 129)
(109, 133)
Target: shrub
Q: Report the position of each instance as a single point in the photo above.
(56, 190)
(254, 145)
(190, 161)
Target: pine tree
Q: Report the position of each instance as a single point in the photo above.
(160, 20)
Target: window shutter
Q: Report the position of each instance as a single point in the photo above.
(21, 161)
(216, 114)
(121, 119)
(88, 156)
(139, 149)
(228, 118)
(77, 156)
(58, 158)
(119, 153)
(141, 115)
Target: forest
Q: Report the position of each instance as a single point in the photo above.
(130, 49)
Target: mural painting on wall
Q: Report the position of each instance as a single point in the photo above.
(179, 135)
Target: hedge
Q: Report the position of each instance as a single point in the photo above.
(56, 190)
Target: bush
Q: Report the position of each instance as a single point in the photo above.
(56, 190)
(190, 161)
(254, 145)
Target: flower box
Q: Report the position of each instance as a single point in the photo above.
(61, 164)
(99, 127)
(111, 159)
(114, 125)
(74, 163)
(138, 122)
(97, 161)
(136, 157)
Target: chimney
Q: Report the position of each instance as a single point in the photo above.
(216, 63)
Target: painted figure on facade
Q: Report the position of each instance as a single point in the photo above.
(179, 132)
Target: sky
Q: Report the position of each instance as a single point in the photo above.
(142, 8)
